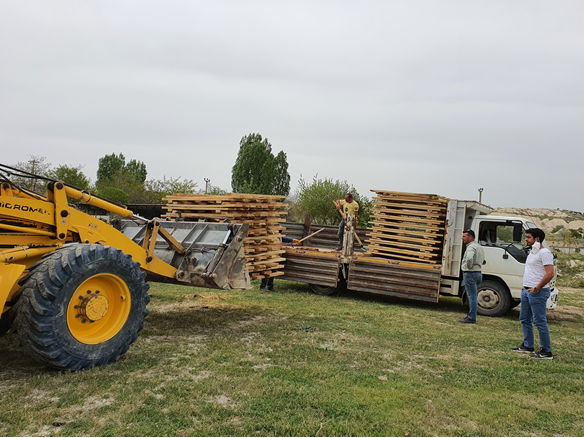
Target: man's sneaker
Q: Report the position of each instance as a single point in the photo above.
(465, 320)
(542, 355)
(338, 248)
(272, 290)
(523, 349)
(263, 289)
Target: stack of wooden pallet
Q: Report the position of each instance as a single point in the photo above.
(263, 213)
(408, 226)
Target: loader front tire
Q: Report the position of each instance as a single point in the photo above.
(82, 307)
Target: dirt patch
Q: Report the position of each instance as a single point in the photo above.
(254, 320)
(224, 401)
(37, 396)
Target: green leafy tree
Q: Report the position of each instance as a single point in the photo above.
(37, 166)
(114, 194)
(256, 170)
(70, 175)
(137, 169)
(157, 190)
(317, 200)
(112, 169)
(109, 166)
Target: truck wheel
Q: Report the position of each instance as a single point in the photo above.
(82, 307)
(322, 290)
(493, 299)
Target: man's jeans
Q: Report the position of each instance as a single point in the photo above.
(533, 311)
(341, 233)
(471, 283)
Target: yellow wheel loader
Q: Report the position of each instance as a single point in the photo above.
(74, 288)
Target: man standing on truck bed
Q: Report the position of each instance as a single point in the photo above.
(346, 206)
(472, 263)
(539, 270)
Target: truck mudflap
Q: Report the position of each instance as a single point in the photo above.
(552, 301)
(311, 267)
(415, 281)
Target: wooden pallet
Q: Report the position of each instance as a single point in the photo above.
(263, 213)
(408, 226)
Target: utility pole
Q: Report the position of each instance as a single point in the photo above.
(480, 194)
(207, 181)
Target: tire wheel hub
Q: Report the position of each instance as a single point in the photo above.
(488, 299)
(93, 306)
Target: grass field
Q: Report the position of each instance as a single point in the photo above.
(251, 363)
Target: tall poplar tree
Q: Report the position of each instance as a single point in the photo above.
(257, 170)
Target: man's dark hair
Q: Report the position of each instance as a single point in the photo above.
(350, 195)
(470, 233)
(536, 232)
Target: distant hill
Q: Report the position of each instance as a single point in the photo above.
(553, 222)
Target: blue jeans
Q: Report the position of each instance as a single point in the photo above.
(471, 283)
(533, 312)
(341, 232)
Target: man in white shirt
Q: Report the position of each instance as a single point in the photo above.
(539, 270)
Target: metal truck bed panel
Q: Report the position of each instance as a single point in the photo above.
(312, 268)
(401, 279)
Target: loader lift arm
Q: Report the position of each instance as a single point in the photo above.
(74, 288)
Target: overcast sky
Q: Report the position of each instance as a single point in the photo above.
(420, 96)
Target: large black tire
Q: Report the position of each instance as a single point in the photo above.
(82, 307)
(493, 299)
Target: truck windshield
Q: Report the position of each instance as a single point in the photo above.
(500, 235)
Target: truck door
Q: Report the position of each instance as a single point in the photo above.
(505, 255)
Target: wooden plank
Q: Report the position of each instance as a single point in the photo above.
(401, 236)
(408, 219)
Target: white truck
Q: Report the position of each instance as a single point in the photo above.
(502, 240)
(501, 237)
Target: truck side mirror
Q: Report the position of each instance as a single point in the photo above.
(517, 232)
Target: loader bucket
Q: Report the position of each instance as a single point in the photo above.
(214, 256)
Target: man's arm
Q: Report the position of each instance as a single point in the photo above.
(549, 274)
(338, 205)
(468, 258)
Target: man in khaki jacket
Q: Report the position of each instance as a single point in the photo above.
(472, 263)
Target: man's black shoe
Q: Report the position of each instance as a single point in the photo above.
(523, 349)
(465, 320)
(338, 248)
(542, 355)
(272, 290)
(263, 289)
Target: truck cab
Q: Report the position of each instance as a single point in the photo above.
(502, 239)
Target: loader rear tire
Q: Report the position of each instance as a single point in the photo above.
(82, 307)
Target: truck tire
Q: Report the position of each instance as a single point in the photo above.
(322, 290)
(82, 307)
(493, 299)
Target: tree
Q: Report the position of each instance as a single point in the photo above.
(70, 175)
(317, 200)
(137, 169)
(35, 165)
(108, 166)
(115, 195)
(156, 190)
(256, 170)
(113, 169)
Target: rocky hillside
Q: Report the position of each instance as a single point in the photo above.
(553, 222)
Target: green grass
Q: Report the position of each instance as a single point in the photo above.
(290, 363)
(570, 270)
